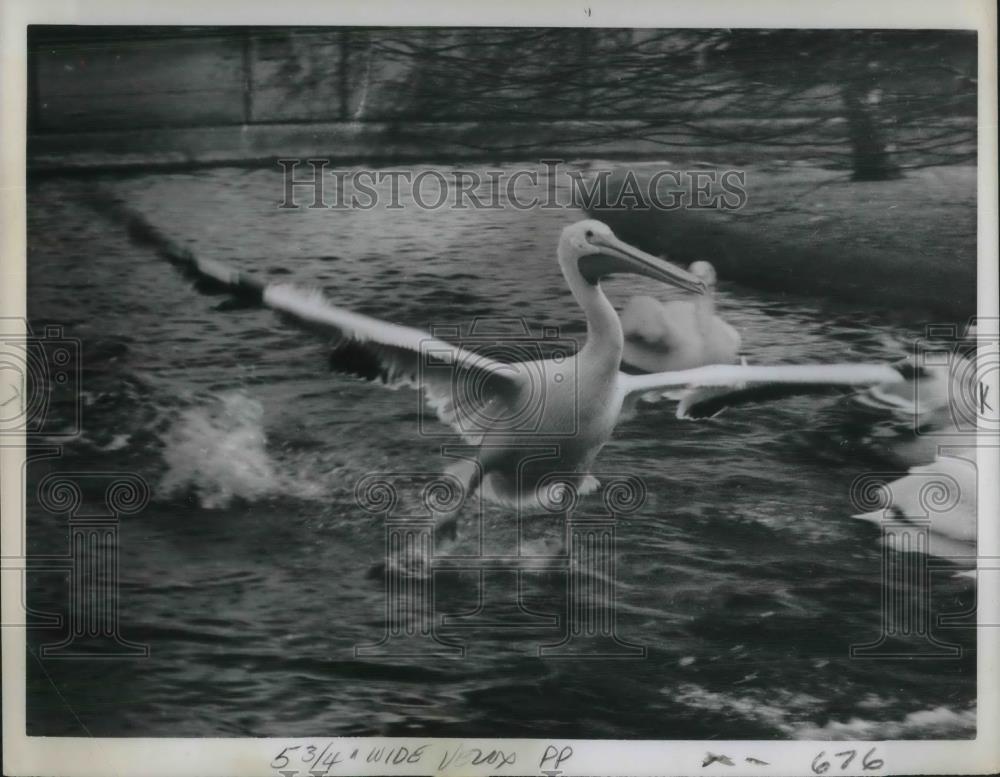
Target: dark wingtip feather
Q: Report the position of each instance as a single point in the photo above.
(352, 358)
(246, 291)
(629, 369)
(712, 405)
(704, 410)
(909, 369)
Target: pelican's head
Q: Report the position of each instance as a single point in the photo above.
(590, 249)
(704, 271)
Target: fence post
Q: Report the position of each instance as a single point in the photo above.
(247, 42)
(343, 75)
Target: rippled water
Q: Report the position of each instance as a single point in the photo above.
(743, 576)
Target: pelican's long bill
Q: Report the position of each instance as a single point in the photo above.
(618, 256)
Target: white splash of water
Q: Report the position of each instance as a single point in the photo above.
(935, 723)
(794, 714)
(219, 451)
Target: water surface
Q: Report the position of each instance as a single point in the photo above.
(743, 575)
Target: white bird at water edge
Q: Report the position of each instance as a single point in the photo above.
(939, 497)
(679, 334)
(685, 334)
(511, 410)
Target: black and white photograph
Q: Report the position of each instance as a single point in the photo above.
(389, 394)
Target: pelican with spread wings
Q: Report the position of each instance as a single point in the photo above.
(536, 424)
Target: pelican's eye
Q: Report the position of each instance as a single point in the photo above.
(589, 234)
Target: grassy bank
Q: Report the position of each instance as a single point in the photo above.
(903, 244)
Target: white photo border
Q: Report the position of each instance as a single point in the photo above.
(153, 757)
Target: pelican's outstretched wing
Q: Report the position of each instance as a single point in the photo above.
(718, 386)
(460, 386)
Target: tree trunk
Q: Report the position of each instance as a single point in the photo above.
(871, 160)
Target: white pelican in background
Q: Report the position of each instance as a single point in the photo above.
(685, 334)
(947, 393)
(680, 334)
(953, 531)
(573, 403)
